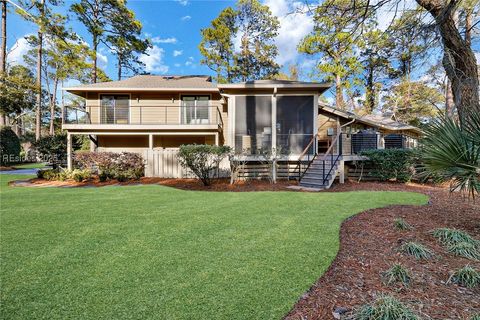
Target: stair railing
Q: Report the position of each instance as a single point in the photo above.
(298, 168)
(333, 159)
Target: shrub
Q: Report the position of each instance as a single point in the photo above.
(385, 308)
(417, 250)
(125, 165)
(401, 224)
(48, 174)
(9, 146)
(53, 149)
(466, 276)
(465, 249)
(202, 159)
(397, 274)
(392, 164)
(81, 175)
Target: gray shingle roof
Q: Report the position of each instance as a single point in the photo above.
(143, 82)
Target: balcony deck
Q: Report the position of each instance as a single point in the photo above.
(143, 118)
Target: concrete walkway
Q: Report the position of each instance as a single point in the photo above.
(21, 171)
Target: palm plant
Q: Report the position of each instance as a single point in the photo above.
(451, 151)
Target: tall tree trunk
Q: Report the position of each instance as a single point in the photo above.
(95, 47)
(3, 52)
(3, 46)
(449, 104)
(339, 103)
(119, 69)
(53, 107)
(38, 111)
(370, 89)
(468, 27)
(459, 60)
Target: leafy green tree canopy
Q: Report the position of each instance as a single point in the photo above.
(255, 27)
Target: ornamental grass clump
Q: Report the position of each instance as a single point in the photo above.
(401, 224)
(467, 277)
(417, 250)
(452, 236)
(475, 317)
(397, 274)
(458, 242)
(466, 250)
(385, 308)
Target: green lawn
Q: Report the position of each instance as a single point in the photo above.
(30, 166)
(152, 252)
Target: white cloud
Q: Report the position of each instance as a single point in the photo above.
(189, 61)
(185, 18)
(387, 13)
(177, 65)
(17, 51)
(294, 26)
(166, 40)
(182, 2)
(177, 53)
(477, 55)
(102, 59)
(154, 60)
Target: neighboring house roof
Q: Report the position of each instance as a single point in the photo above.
(383, 121)
(272, 84)
(151, 83)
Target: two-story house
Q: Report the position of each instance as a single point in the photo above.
(154, 115)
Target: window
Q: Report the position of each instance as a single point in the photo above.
(114, 109)
(294, 123)
(195, 110)
(253, 124)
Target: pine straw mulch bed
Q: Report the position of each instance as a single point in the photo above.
(369, 246)
(183, 184)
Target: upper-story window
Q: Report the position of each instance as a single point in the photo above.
(114, 109)
(195, 110)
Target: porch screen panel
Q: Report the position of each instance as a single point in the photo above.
(295, 123)
(253, 124)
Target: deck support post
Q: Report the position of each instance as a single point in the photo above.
(149, 170)
(216, 139)
(341, 171)
(69, 151)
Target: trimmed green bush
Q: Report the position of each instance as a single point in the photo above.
(202, 159)
(466, 276)
(417, 250)
(52, 149)
(401, 224)
(385, 308)
(9, 146)
(392, 164)
(397, 274)
(48, 174)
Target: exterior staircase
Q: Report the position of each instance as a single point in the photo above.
(321, 172)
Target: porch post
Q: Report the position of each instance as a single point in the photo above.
(69, 151)
(216, 139)
(149, 170)
(274, 135)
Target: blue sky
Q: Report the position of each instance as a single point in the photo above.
(174, 28)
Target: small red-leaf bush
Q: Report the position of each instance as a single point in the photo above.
(110, 165)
